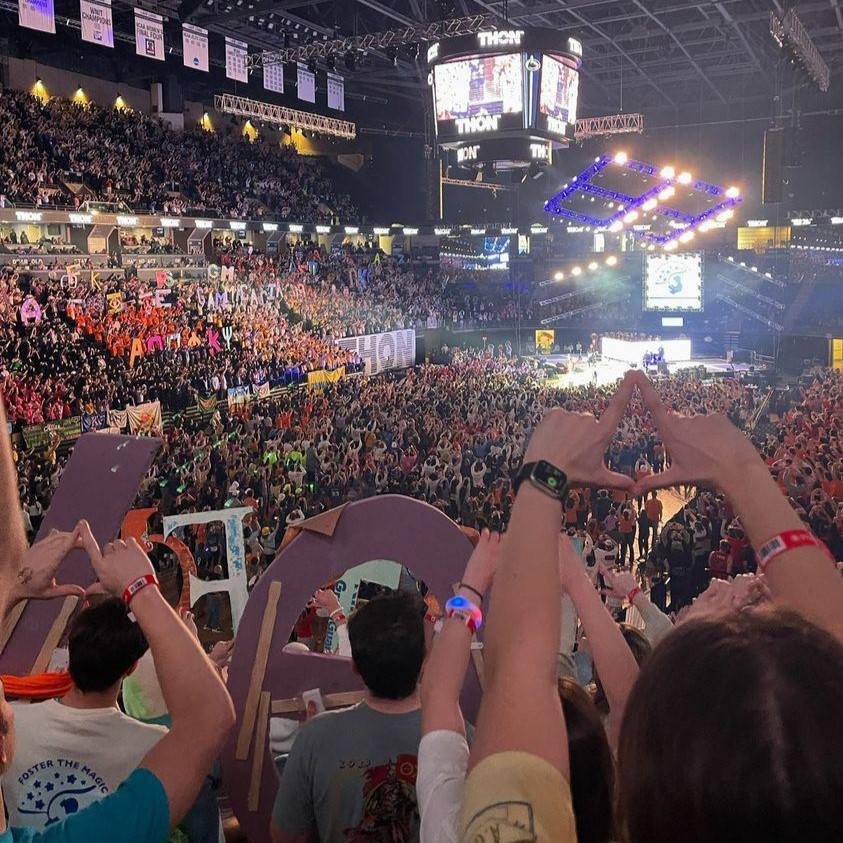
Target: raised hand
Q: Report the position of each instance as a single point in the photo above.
(620, 583)
(483, 562)
(326, 599)
(36, 576)
(576, 442)
(703, 449)
(118, 564)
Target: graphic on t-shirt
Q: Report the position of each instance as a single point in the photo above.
(390, 811)
(510, 821)
(52, 791)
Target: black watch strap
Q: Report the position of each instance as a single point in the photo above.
(544, 476)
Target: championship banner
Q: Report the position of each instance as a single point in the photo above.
(97, 27)
(261, 391)
(194, 42)
(149, 35)
(273, 76)
(235, 60)
(145, 418)
(336, 92)
(38, 436)
(545, 340)
(37, 14)
(306, 84)
(381, 352)
(323, 376)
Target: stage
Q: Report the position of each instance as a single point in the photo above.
(603, 372)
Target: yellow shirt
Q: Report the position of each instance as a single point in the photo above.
(515, 797)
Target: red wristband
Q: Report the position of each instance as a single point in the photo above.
(139, 584)
(430, 617)
(338, 617)
(783, 542)
(634, 593)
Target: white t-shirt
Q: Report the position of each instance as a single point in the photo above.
(67, 758)
(440, 785)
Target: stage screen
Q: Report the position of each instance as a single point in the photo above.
(673, 282)
(559, 93)
(479, 86)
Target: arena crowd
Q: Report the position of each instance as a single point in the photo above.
(648, 676)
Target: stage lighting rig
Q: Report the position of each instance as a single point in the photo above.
(790, 34)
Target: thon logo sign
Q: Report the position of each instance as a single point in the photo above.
(380, 352)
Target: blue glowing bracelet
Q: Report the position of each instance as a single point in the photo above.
(469, 613)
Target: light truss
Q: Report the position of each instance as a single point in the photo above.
(483, 185)
(280, 115)
(375, 41)
(612, 124)
(790, 34)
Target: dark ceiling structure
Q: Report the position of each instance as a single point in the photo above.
(639, 54)
(654, 56)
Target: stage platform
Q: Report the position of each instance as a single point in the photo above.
(581, 372)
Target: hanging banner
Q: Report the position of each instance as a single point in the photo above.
(336, 92)
(97, 27)
(145, 419)
(37, 14)
(94, 421)
(273, 76)
(235, 60)
(379, 352)
(194, 42)
(38, 436)
(306, 84)
(323, 376)
(238, 395)
(149, 35)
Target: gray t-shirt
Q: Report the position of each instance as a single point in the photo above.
(352, 775)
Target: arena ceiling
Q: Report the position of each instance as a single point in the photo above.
(654, 56)
(639, 54)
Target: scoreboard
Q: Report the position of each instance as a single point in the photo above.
(508, 94)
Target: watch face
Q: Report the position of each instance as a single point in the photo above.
(548, 475)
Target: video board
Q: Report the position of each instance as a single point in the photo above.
(674, 282)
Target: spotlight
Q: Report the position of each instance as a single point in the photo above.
(621, 158)
(685, 178)
(560, 276)
(725, 215)
(631, 217)
(667, 193)
(611, 261)
(687, 236)
(669, 247)
(733, 193)
(649, 205)
(592, 266)
(616, 226)
(668, 173)
(576, 271)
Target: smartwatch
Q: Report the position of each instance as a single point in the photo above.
(545, 477)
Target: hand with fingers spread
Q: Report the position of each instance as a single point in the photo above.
(576, 442)
(118, 564)
(36, 576)
(703, 449)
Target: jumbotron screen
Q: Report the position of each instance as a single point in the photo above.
(674, 282)
(473, 87)
(559, 94)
